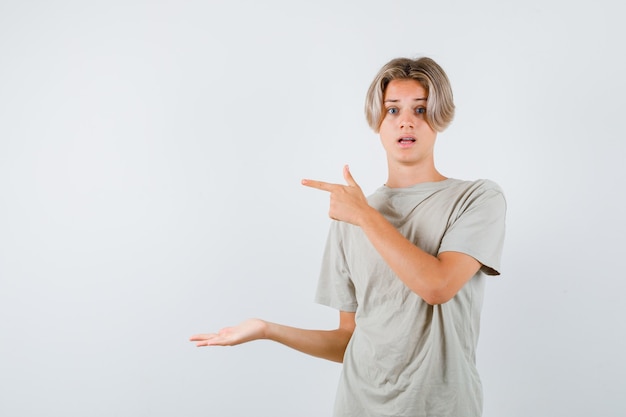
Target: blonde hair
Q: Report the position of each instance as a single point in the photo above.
(440, 103)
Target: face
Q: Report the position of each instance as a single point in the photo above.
(406, 136)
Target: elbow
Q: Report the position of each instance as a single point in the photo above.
(344, 335)
(439, 289)
(436, 300)
(436, 296)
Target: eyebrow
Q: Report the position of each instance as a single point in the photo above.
(396, 100)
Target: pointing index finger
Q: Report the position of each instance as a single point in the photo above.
(320, 185)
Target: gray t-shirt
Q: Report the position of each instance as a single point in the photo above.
(406, 357)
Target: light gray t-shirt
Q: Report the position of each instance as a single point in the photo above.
(406, 357)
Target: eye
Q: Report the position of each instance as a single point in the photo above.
(392, 110)
(420, 110)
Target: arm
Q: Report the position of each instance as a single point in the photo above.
(434, 278)
(326, 344)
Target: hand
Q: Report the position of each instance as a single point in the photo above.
(246, 331)
(347, 202)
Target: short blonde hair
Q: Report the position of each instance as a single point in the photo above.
(440, 103)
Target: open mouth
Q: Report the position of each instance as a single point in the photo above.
(406, 140)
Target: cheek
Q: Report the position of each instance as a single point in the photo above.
(385, 135)
(425, 128)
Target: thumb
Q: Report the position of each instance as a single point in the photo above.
(348, 176)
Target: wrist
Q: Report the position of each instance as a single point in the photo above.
(268, 330)
(368, 217)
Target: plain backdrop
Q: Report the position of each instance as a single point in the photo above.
(151, 154)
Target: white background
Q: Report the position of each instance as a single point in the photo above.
(150, 162)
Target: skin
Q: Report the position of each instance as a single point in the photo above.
(409, 143)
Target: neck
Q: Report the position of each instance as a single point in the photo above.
(406, 176)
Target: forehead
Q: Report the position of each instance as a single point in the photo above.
(405, 89)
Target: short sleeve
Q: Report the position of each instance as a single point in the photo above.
(335, 288)
(479, 227)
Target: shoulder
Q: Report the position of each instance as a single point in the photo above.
(479, 185)
(488, 185)
(478, 188)
(481, 194)
(489, 189)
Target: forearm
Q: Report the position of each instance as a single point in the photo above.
(420, 271)
(434, 278)
(326, 344)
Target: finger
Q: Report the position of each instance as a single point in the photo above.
(320, 185)
(207, 339)
(217, 340)
(209, 342)
(205, 343)
(348, 176)
(202, 338)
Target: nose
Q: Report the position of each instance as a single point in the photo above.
(407, 122)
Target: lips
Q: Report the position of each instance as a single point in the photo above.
(406, 140)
